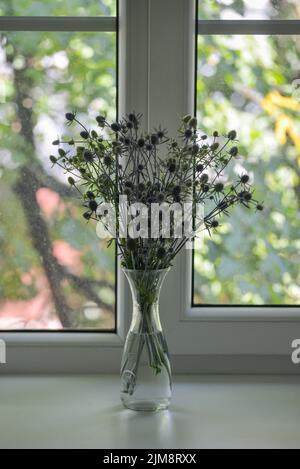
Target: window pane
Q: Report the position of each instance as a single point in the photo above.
(58, 8)
(54, 271)
(249, 9)
(250, 83)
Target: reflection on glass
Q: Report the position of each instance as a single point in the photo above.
(251, 83)
(249, 9)
(54, 271)
(58, 8)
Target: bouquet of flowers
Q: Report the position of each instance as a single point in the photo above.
(153, 194)
(151, 169)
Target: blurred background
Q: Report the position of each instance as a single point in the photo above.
(54, 271)
(250, 83)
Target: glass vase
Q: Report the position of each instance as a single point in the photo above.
(146, 379)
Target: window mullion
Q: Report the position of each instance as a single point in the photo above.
(56, 23)
(218, 27)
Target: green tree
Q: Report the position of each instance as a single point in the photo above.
(247, 82)
(44, 75)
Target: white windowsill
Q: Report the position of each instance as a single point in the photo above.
(207, 412)
(61, 339)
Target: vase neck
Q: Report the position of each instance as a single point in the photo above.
(145, 317)
(145, 289)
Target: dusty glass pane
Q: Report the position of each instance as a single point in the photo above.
(251, 84)
(58, 7)
(54, 271)
(249, 9)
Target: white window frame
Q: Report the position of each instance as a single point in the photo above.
(64, 351)
(239, 338)
(156, 44)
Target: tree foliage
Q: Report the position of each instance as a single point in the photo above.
(249, 82)
(42, 75)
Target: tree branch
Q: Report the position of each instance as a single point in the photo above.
(86, 287)
(25, 189)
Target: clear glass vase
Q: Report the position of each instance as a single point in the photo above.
(146, 379)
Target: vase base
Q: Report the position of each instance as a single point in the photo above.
(146, 406)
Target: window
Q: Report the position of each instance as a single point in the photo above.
(249, 81)
(205, 335)
(156, 76)
(55, 273)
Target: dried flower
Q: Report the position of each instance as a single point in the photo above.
(199, 167)
(132, 117)
(88, 156)
(219, 186)
(154, 139)
(87, 215)
(176, 190)
(233, 151)
(115, 127)
(188, 134)
(195, 148)
(214, 146)
(244, 179)
(93, 205)
(53, 159)
(108, 160)
(156, 169)
(100, 119)
(70, 116)
(204, 178)
(172, 167)
(231, 135)
(245, 195)
(84, 134)
(141, 142)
